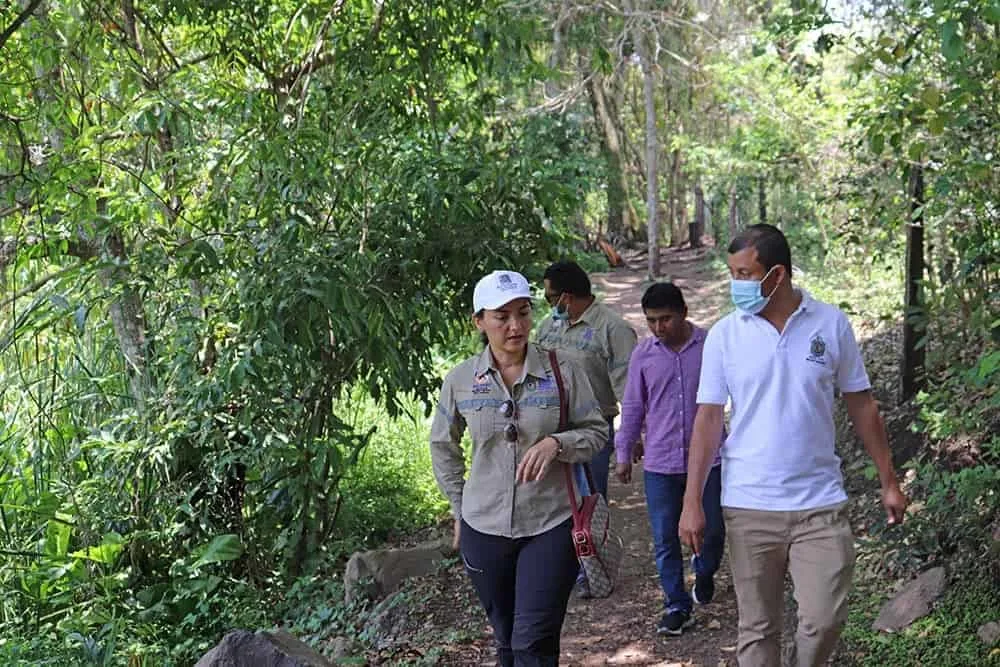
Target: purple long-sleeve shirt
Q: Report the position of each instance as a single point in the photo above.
(660, 394)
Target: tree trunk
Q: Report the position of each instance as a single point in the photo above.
(676, 199)
(611, 146)
(698, 227)
(652, 152)
(733, 213)
(913, 324)
(762, 199)
(682, 230)
(128, 319)
(671, 202)
(552, 87)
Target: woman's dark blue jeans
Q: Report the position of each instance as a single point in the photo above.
(524, 585)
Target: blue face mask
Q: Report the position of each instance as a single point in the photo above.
(747, 294)
(560, 313)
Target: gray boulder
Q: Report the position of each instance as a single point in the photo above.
(375, 574)
(989, 633)
(913, 601)
(241, 648)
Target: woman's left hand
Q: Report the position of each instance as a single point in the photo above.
(537, 460)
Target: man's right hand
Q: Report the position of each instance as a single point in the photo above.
(638, 451)
(624, 472)
(457, 534)
(691, 526)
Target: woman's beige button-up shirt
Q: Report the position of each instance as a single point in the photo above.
(490, 500)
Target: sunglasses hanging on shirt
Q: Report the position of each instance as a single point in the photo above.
(508, 410)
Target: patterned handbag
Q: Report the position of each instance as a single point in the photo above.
(598, 549)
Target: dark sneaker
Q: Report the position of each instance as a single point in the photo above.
(674, 622)
(583, 589)
(704, 590)
(704, 585)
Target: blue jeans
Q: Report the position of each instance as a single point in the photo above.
(600, 466)
(664, 500)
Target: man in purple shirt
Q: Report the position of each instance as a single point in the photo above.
(660, 394)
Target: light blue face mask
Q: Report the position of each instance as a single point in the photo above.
(747, 295)
(560, 313)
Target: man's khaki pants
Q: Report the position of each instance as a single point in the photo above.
(817, 548)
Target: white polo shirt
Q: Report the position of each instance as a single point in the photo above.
(780, 451)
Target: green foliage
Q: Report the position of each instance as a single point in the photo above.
(946, 637)
(934, 106)
(238, 241)
(392, 488)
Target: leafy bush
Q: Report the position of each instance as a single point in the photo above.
(945, 638)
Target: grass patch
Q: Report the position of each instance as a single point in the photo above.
(945, 638)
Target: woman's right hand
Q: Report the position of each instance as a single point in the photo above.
(457, 534)
(537, 460)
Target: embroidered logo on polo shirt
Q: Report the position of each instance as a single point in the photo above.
(817, 350)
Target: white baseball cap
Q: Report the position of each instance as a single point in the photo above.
(499, 288)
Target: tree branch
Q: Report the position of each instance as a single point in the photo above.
(37, 285)
(18, 21)
(315, 60)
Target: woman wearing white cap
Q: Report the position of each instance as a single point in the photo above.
(512, 514)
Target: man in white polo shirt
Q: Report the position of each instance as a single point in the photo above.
(780, 357)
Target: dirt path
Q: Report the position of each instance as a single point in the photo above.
(619, 630)
(705, 290)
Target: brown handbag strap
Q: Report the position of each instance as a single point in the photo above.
(563, 423)
(563, 407)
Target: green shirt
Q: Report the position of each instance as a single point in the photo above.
(602, 343)
(491, 501)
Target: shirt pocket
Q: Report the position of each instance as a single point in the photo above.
(539, 417)
(480, 414)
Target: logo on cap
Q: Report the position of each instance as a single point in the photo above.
(505, 283)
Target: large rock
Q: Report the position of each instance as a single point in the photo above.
(241, 648)
(989, 633)
(376, 574)
(912, 602)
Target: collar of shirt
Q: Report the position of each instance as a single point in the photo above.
(533, 364)
(589, 316)
(804, 306)
(697, 336)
